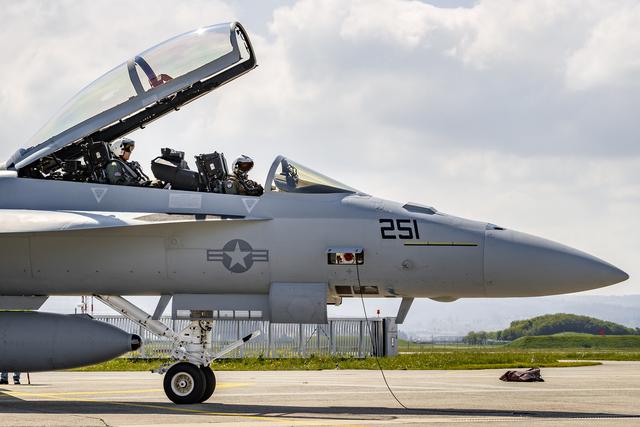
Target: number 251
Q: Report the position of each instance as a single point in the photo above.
(399, 229)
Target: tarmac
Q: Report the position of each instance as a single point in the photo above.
(608, 394)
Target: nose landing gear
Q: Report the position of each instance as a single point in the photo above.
(190, 380)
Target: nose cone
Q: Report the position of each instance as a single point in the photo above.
(518, 264)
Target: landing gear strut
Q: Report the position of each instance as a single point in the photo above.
(190, 380)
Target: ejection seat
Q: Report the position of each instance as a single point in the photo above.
(99, 155)
(170, 167)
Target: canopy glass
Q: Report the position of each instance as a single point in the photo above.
(292, 177)
(148, 70)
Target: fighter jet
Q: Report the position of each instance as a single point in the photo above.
(282, 256)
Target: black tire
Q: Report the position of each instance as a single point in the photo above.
(210, 383)
(184, 383)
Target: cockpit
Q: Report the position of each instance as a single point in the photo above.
(285, 175)
(75, 144)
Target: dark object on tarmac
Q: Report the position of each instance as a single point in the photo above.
(528, 376)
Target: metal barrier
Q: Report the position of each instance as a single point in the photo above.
(345, 337)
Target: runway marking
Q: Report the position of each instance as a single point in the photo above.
(106, 392)
(71, 393)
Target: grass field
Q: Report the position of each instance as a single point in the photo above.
(437, 359)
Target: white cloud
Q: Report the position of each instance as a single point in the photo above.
(611, 54)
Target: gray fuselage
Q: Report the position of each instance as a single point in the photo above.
(88, 246)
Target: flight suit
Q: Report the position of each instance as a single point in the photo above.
(121, 173)
(234, 185)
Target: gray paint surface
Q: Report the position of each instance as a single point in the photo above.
(93, 247)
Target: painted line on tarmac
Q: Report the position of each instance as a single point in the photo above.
(106, 392)
(73, 393)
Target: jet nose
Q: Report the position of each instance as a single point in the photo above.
(518, 264)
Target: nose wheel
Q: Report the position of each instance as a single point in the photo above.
(186, 383)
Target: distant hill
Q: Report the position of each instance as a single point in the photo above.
(578, 341)
(550, 324)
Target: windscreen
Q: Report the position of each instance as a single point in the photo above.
(149, 70)
(293, 177)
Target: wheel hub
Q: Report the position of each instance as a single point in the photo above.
(182, 384)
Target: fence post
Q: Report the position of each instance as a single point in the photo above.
(360, 339)
(238, 337)
(269, 341)
(332, 337)
(300, 341)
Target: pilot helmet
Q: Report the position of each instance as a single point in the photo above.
(119, 146)
(242, 165)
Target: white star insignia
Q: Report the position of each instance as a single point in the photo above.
(238, 256)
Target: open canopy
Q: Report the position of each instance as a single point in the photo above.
(147, 86)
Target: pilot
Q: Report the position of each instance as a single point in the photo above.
(239, 182)
(122, 171)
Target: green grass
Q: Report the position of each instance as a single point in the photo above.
(578, 341)
(423, 361)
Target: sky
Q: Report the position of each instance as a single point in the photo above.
(521, 113)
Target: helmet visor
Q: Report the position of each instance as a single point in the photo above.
(245, 166)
